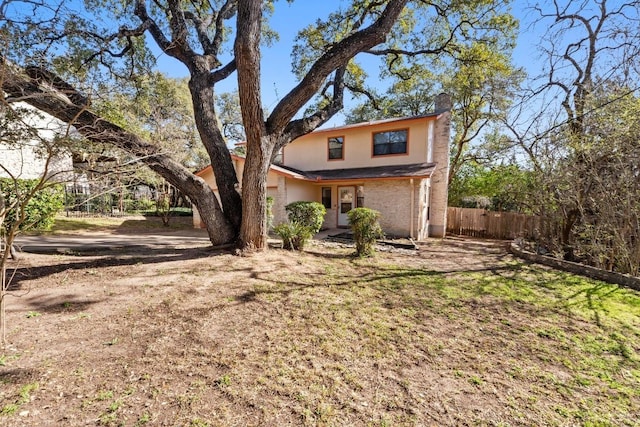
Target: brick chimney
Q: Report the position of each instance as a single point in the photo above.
(442, 103)
(440, 179)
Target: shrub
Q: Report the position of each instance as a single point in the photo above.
(144, 204)
(366, 229)
(163, 208)
(270, 201)
(294, 235)
(305, 220)
(309, 214)
(39, 211)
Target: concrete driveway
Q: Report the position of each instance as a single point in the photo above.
(105, 242)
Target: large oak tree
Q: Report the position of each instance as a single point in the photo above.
(59, 55)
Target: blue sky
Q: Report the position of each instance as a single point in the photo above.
(289, 18)
(277, 78)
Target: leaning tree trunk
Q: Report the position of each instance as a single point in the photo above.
(202, 95)
(219, 229)
(69, 106)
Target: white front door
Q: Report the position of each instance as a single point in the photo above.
(345, 204)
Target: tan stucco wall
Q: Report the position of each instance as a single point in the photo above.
(288, 191)
(310, 152)
(238, 164)
(301, 190)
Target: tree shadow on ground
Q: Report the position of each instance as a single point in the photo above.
(18, 275)
(390, 277)
(18, 375)
(59, 304)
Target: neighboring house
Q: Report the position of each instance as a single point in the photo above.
(398, 167)
(27, 158)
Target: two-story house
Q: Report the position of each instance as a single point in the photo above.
(398, 167)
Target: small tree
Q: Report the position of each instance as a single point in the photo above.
(163, 203)
(27, 203)
(305, 220)
(24, 205)
(366, 230)
(163, 208)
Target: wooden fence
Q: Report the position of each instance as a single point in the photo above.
(489, 224)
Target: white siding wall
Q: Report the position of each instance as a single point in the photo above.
(27, 159)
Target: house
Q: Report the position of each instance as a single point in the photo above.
(398, 167)
(28, 146)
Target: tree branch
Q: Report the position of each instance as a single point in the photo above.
(337, 55)
(297, 128)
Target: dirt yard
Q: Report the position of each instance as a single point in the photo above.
(194, 337)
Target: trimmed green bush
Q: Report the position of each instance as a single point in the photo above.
(366, 230)
(310, 214)
(40, 209)
(294, 235)
(305, 220)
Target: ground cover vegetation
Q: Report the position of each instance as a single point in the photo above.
(458, 333)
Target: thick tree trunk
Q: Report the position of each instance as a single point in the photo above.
(202, 95)
(253, 233)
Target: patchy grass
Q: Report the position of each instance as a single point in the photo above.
(320, 338)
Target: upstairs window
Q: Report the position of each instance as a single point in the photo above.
(390, 142)
(336, 148)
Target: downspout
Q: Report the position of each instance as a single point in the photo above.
(430, 138)
(412, 206)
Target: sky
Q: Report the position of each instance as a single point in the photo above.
(289, 18)
(277, 77)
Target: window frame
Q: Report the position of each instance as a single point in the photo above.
(390, 131)
(324, 200)
(337, 137)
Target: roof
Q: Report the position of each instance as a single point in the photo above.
(417, 170)
(378, 122)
